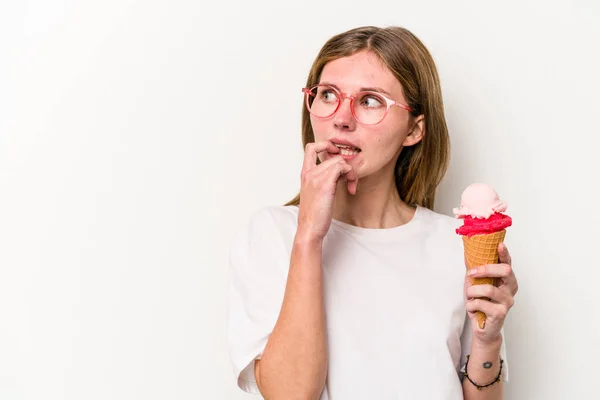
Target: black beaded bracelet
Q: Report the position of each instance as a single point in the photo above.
(479, 387)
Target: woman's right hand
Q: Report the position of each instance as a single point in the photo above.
(318, 185)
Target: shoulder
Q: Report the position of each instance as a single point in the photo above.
(268, 224)
(263, 244)
(280, 219)
(439, 221)
(443, 243)
(440, 226)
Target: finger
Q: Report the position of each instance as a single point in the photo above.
(312, 150)
(352, 181)
(341, 168)
(325, 165)
(505, 257)
(352, 186)
(503, 254)
(491, 271)
(491, 292)
(313, 174)
(493, 311)
(337, 171)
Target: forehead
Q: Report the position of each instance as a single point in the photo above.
(362, 69)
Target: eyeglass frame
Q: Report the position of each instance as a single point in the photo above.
(342, 96)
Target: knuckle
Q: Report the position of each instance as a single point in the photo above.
(469, 305)
(511, 302)
(499, 311)
(306, 176)
(494, 318)
(474, 291)
(478, 304)
(312, 185)
(489, 291)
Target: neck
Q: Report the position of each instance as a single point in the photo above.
(376, 204)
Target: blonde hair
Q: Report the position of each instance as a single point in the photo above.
(419, 168)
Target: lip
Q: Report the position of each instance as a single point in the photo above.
(348, 158)
(345, 142)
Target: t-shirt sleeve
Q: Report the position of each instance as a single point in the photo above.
(259, 263)
(465, 341)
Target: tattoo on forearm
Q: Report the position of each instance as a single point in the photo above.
(487, 365)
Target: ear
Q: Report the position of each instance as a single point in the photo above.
(416, 133)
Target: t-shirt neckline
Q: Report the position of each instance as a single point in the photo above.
(383, 234)
(381, 231)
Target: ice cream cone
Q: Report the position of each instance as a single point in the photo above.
(480, 250)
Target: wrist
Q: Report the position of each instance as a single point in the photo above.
(486, 346)
(305, 238)
(484, 365)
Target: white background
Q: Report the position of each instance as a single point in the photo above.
(137, 136)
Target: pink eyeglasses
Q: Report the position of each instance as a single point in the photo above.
(368, 107)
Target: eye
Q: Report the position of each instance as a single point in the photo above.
(371, 100)
(327, 94)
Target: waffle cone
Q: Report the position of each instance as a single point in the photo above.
(481, 250)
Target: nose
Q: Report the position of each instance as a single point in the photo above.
(343, 118)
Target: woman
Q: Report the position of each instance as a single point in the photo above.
(356, 289)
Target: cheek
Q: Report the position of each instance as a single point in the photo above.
(319, 128)
(388, 141)
(382, 149)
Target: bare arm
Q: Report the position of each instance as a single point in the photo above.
(483, 368)
(294, 362)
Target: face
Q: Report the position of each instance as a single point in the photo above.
(379, 144)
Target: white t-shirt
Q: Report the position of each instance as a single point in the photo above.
(397, 327)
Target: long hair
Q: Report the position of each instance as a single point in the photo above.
(419, 168)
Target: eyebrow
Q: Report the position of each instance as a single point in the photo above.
(363, 89)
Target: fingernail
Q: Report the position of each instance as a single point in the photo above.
(472, 271)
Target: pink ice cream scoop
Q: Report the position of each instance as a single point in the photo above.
(479, 200)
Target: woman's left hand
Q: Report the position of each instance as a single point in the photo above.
(501, 296)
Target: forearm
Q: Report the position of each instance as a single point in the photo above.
(483, 368)
(294, 362)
